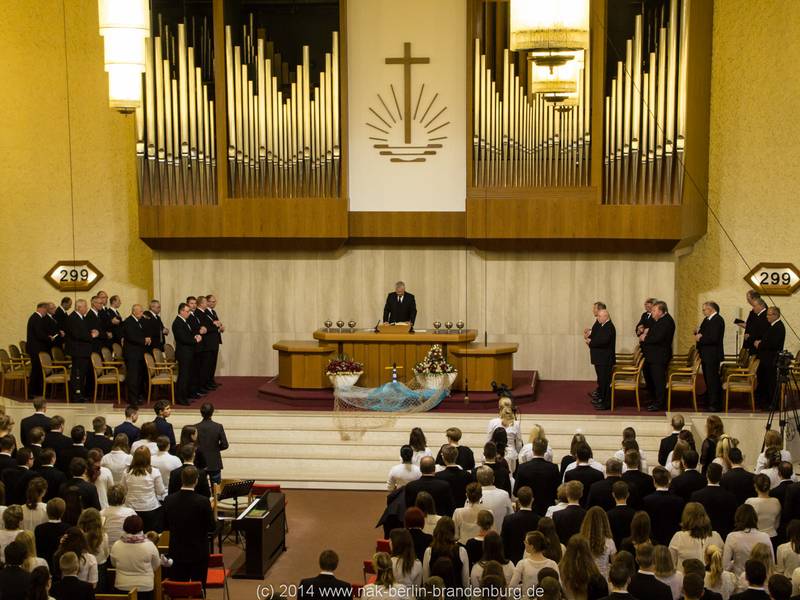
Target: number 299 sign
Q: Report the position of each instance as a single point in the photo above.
(775, 279)
(73, 275)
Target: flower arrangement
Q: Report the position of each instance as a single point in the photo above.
(342, 365)
(434, 363)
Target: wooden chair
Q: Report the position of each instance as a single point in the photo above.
(23, 347)
(742, 381)
(739, 361)
(132, 595)
(158, 375)
(628, 379)
(116, 351)
(628, 359)
(169, 352)
(59, 358)
(106, 375)
(15, 354)
(12, 371)
(54, 375)
(684, 379)
(217, 576)
(186, 590)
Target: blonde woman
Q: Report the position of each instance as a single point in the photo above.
(695, 535)
(32, 561)
(723, 450)
(385, 585)
(675, 463)
(91, 524)
(597, 531)
(789, 553)
(579, 572)
(507, 421)
(526, 573)
(526, 453)
(718, 579)
(763, 554)
(665, 571)
(772, 439)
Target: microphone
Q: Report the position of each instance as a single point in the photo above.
(376, 325)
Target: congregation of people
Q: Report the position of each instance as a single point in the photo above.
(98, 325)
(82, 511)
(763, 337)
(704, 522)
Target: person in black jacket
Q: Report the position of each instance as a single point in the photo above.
(38, 419)
(189, 519)
(47, 470)
(48, 534)
(414, 521)
(466, 458)
(516, 527)
(665, 509)
(70, 587)
(709, 338)
(600, 492)
(211, 440)
(640, 484)
(644, 584)
(14, 580)
(37, 340)
(211, 309)
(688, 482)
(541, 476)
(324, 585)
(96, 319)
(187, 456)
(667, 444)
(583, 471)
(656, 344)
(568, 520)
(211, 341)
(738, 480)
(620, 515)
(185, 342)
(76, 449)
(79, 345)
(438, 489)
(457, 478)
(155, 326)
(602, 351)
(619, 578)
(16, 479)
(80, 483)
(98, 438)
(768, 347)
(755, 573)
(198, 328)
(136, 342)
(400, 306)
(55, 437)
(61, 315)
(720, 504)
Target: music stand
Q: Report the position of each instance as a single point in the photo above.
(234, 489)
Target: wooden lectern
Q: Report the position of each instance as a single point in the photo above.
(263, 524)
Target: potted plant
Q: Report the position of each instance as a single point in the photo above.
(343, 372)
(434, 372)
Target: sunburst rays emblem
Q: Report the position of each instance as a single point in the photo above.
(423, 125)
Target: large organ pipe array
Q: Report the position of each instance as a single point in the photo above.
(645, 113)
(522, 139)
(175, 126)
(283, 127)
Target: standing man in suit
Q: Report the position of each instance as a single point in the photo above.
(644, 583)
(656, 343)
(38, 419)
(709, 338)
(738, 480)
(747, 325)
(587, 333)
(325, 585)
(163, 410)
(211, 309)
(516, 526)
(620, 515)
(457, 478)
(198, 328)
(583, 471)
(128, 426)
(37, 341)
(602, 344)
(96, 319)
(212, 441)
(185, 342)
(600, 493)
(186, 454)
(440, 490)
(665, 508)
(568, 520)
(156, 329)
(62, 312)
(53, 330)
(667, 444)
(720, 504)
(768, 348)
(136, 341)
(79, 343)
(115, 318)
(209, 347)
(647, 318)
(690, 481)
(400, 306)
(541, 476)
(189, 519)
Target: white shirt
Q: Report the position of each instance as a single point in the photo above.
(33, 517)
(414, 577)
(477, 572)
(499, 502)
(87, 568)
(683, 546)
(555, 508)
(166, 463)
(603, 561)
(526, 453)
(103, 551)
(135, 565)
(144, 491)
(526, 573)
(725, 586)
(113, 518)
(104, 481)
(738, 546)
(430, 523)
(152, 446)
(6, 537)
(466, 521)
(620, 456)
(788, 560)
(769, 514)
(675, 583)
(117, 462)
(462, 555)
(761, 461)
(401, 474)
(513, 433)
(592, 463)
(419, 455)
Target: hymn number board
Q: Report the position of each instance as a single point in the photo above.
(73, 275)
(776, 279)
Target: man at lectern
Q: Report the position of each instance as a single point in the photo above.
(400, 306)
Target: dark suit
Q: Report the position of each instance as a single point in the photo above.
(515, 528)
(211, 342)
(96, 321)
(79, 346)
(400, 311)
(54, 477)
(620, 517)
(465, 459)
(61, 318)
(751, 595)
(754, 329)
(129, 429)
(644, 321)
(421, 542)
(7, 462)
(202, 487)
(568, 522)
(16, 480)
(86, 491)
(98, 440)
(619, 596)
(28, 423)
(639, 485)
(57, 441)
(543, 478)
(64, 458)
(602, 351)
(154, 328)
(184, 354)
(14, 583)
(195, 322)
(647, 587)
(72, 588)
(587, 475)
(116, 330)
(502, 476)
(211, 441)
(323, 586)
(666, 446)
(36, 341)
(687, 483)
(710, 347)
(657, 350)
(165, 428)
(458, 479)
(216, 343)
(739, 481)
(791, 504)
(665, 510)
(769, 348)
(720, 504)
(48, 537)
(440, 490)
(189, 519)
(600, 493)
(133, 351)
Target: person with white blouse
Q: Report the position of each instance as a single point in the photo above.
(725, 444)
(788, 555)
(665, 571)
(34, 512)
(118, 460)
(629, 443)
(718, 579)
(385, 587)
(694, 537)
(494, 499)
(418, 443)
(768, 509)
(144, 489)
(492, 551)
(526, 573)
(12, 521)
(406, 471)
(100, 476)
(162, 460)
(740, 542)
(771, 465)
(507, 421)
(74, 540)
(148, 439)
(465, 518)
(526, 452)
(406, 566)
(135, 559)
(772, 439)
(561, 501)
(115, 513)
(91, 524)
